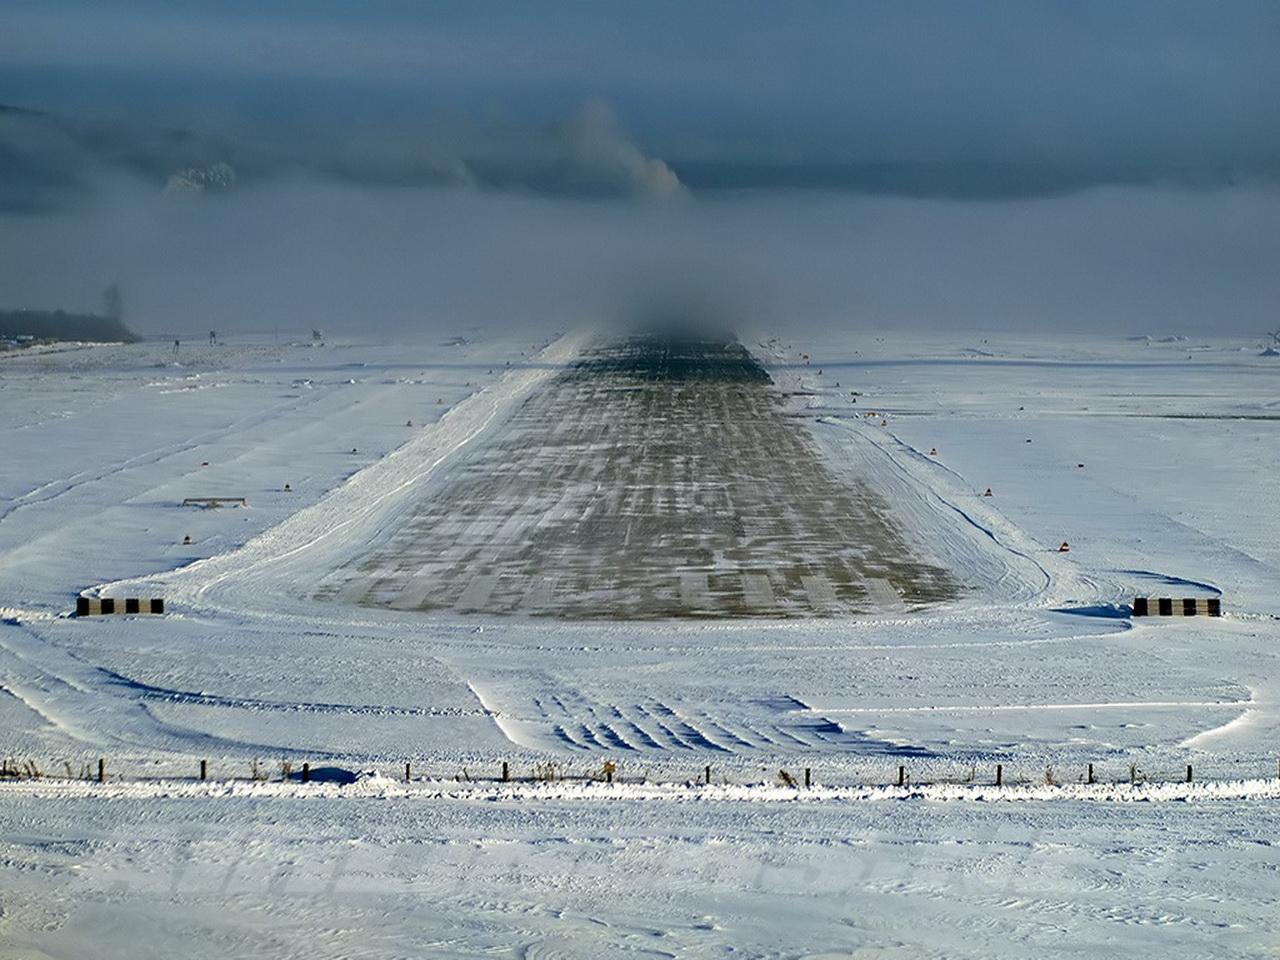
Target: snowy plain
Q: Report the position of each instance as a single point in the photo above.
(1154, 459)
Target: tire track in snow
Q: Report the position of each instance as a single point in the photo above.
(78, 699)
(66, 485)
(170, 695)
(1007, 707)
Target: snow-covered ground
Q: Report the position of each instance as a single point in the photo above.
(385, 872)
(1155, 460)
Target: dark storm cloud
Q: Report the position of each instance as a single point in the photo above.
(1160, 82)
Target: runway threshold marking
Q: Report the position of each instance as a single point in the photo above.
(819, 590)
(539, 593)
(757, 591)
(884, 595)
(355, 591)
(694, 590)
(477, 592)
(417, 588)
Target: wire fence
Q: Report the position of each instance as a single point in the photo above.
(779, 771)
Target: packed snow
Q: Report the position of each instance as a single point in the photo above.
(1151, 459)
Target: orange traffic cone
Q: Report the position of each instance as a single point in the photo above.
(1064, 548)
(988, 493)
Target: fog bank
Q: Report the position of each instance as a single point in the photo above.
(386, 262)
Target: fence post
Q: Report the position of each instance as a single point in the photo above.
(1089, 776)
(506, 772)
(1133, 773)
(902, 776)
(204, 769)
(102, 770)
(999, 774)
(1188, 773)
(706, 775)
(306, 773)
(807, 781)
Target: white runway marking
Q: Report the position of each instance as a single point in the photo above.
(821, 594)
(693, 590)
(884, 596)
(417, 587)
(757, 592)
(476, 595)
(539, 593)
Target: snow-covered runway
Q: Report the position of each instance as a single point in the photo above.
(655, 478)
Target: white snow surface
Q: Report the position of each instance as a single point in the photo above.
(1156, 461)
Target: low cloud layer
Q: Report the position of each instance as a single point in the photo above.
(292, 255)
(398, 168)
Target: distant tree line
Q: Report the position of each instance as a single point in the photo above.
(105, 327)
(59, 325)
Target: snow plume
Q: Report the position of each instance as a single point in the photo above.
(605, 158)
(49, 161)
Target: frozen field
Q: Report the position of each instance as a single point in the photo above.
(393, 873)
(492, 549)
